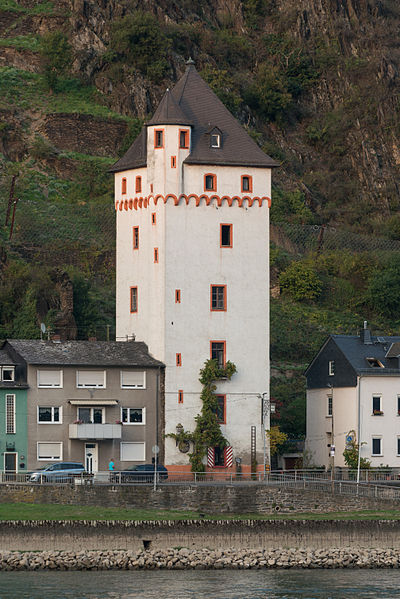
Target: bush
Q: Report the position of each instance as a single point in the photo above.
(300, 282)
(56, 57)
(383, 294)
(139, 39)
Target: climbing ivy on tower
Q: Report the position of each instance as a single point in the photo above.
(208, 430)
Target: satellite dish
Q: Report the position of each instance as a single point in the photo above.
(42, 327)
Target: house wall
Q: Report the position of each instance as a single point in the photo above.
(323, 429)
(75, 449)
(17, 442)
(191, 259)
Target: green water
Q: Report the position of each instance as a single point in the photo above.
(229, 584)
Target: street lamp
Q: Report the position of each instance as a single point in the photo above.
(267, 409)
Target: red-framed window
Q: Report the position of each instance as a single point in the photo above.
(220, 411)
(226, 235)
(135, 238)
(151, 187)
(155, 255)
(218, 352)
(173, 161)
(158, 138)
(153, 218)
(138, 185)
(179, 359)
(218, 298)
(177, 296)
(210, 182)
(246, 183)
(180, 396)
(123, 185)
(184, 138)
(134, 299)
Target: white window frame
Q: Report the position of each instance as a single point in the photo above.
(52, 421)
(377, 396)
(141, 459)
(134, 423)
(11, 369)
(59, 386)
(90, 386)
(13, 423)
(91, 408)
(372, 445)
(217, 143)
(331, 367)
(47, 458)
(132, 386)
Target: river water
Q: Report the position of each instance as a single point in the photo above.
(227, 584)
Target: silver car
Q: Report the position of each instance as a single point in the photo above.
(56, 472)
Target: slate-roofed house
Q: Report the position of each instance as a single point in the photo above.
(353, 384)
(84, 401)
(192, 196)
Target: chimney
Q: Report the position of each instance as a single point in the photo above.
(366, 335)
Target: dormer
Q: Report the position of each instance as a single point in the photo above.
(215, 138)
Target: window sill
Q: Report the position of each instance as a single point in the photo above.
(380, 414)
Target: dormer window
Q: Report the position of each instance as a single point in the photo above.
(375, 363)
(215, 140)
(7, 373)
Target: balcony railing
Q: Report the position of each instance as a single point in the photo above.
(95, 431)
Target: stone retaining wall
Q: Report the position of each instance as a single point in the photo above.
(198, 535)
(243, 499)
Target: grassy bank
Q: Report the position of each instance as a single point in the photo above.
(29, 511)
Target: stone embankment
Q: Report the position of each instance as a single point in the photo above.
(184, 559)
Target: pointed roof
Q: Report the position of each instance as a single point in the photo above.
(169, 112)
(192, 102)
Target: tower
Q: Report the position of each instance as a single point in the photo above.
(192, 196)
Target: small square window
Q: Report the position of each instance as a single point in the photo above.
(226, 237)
(159, 138)
(210, 182)
(138, 185)
(134, 299)
(8, 373)
(135, 238)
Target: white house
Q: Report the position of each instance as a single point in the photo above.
(353, 384)
(192, 196)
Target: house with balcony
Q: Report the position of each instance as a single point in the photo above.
(87, 401)
(353, 393)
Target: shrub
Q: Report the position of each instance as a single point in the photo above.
(300, 281)
(383, 293)
(56, 57)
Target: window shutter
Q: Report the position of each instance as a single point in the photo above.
(49, 378)
(228, 451)
(49, 451)
(133, 378)
(132, 452)
(210, 457)
(90, 378)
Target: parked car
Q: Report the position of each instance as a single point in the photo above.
(56, 472)
(142, 473)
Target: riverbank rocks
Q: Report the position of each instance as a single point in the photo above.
(184, 559)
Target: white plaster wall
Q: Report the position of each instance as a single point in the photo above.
(165, 179)
(387, 425)
(343, 420)
(228, 180)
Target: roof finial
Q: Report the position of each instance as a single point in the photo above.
(190, 62)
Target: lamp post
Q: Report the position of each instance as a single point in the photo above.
(267, 410)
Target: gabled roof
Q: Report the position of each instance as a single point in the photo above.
(394, 350)
(192, 102)
(83, 353)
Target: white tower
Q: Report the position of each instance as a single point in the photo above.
(192, 196)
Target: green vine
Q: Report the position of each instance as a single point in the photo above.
(208, 431)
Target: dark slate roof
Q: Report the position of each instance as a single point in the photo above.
(194, 102)
(394, 350)
(84, 353)
(135, 157)
(6, 359)
(169, 112)
(357, 353)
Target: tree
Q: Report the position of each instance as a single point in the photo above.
(300, 281)
(276, 438)
(350, 454)
(383, 294)
(56, 57)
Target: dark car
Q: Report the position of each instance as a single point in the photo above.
(56, 472)
(143, 473)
